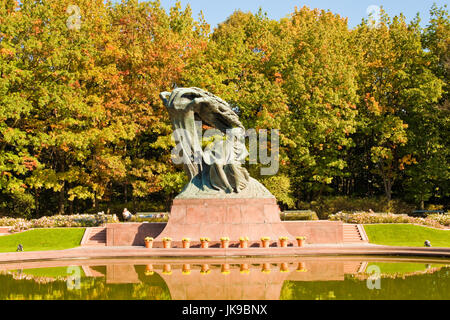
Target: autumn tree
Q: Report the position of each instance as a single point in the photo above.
(396, 87)
(429, 123)
(151, 51)
(361, 111)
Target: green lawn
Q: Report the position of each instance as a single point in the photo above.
(406, 235)
(43, 239)
(402, 267)
(56, 272)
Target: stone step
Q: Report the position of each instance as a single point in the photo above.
(352, 234)
(352, 267)
(94, 237)
(94, 244)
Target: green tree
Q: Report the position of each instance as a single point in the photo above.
(396, 87)
(429, 124)
(295, 75)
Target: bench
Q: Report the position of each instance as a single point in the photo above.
(425, 213)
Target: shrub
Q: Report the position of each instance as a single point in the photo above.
(443, 219)
(17, 204)
(74, 221)
(304, 215)
(328, 206)
(280, 187)
(157, 218)
(375, 218)
(433, 207)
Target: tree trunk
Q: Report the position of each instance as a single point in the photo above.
(61, 200)
(387, 184)
(36, 203)
(387, 188)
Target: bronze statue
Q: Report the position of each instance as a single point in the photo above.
(216, 170)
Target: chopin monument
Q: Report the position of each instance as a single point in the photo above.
(221, 199)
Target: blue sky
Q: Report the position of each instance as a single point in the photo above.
(216, 11)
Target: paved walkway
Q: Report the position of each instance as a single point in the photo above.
(309, 250)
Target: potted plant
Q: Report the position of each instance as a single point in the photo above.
(167, 242)
(205, 269)
(225, 242)
(186, 270)
(244, 268)
(204, 242)
(284, 267)
(265, 242)
(284, 242)
(301, 241)
(148, 242)
(301, 267)
(243, 242)
(167, 269)
(186, 243)
(225, 269)
(266, 268)
(149, 270)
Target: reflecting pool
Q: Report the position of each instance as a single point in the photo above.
(301, 278)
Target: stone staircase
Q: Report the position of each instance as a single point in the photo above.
(91, 273)
(353, 267)
(354, 233)
(94, 237)
(4, 231)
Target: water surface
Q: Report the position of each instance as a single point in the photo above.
(309, 278)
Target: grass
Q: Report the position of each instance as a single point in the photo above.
(403, 267)
(406, 235)
(43, 239)
(56, 272)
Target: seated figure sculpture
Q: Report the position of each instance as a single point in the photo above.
(217, 170)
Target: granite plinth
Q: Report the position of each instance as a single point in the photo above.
(217, 218)
(131, 234)
(317, 232)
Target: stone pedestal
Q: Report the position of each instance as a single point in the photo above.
(233, 218)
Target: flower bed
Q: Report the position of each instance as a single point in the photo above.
(443, 219)
(74, 221)
(436, 221)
